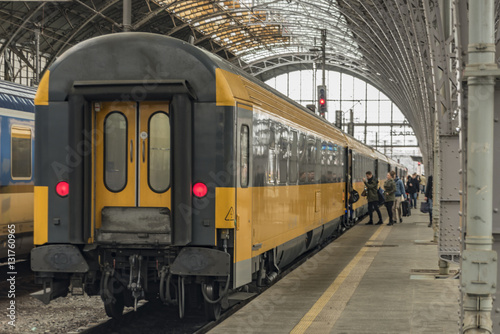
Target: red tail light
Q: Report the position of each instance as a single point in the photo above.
(62, 188)
(199, 189)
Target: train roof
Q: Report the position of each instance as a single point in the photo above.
(359, 147)
(17, 97)
(394, 162)
(381, 156)
(156, 58)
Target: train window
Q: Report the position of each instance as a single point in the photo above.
(292, 167)
(342, 163)
(302, 159)
(21, 153)
(244, 154)
(271, 171)
(311, 160)
(159, 152)
(115, 151)
(329, 165)
(260, 151)
(272, 137)
(319, 157)
(324, 162)
(283, 157)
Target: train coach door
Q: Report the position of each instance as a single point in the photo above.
(154, 150)
(132, 156)
(243, 228)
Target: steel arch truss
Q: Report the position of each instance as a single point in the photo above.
(384, 42)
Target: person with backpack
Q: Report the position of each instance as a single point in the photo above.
(390, 190)
(400, 196)
(371, 185)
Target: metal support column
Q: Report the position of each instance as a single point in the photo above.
(496, 204)
(127, 15)
(446, 157)
(323, 56)
(37, 56)
(436, 181)
(478, 278)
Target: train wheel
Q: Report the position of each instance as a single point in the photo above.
(114, 308)
(115, 304)
(212, 310)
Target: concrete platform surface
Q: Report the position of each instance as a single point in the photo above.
(373, 279)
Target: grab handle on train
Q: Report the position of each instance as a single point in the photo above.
(131, 151)
(143, 151)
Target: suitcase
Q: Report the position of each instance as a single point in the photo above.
(406, 208)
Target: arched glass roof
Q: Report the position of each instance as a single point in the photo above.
(378, 122)
(259, 29)
(390, 44)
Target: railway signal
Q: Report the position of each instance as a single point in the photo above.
(322, 101)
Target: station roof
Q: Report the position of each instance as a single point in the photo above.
(383, 42)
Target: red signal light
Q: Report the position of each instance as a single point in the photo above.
(62, 188)
(322, 101)
(199, 189)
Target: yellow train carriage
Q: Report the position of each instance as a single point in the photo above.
(169, 168)
(299, 191)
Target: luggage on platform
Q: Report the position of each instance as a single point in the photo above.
(406, 208)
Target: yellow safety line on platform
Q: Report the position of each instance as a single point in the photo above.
(310, 316)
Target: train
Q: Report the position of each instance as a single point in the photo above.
(17, 115)
(164, 172)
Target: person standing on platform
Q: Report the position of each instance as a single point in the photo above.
(428, 198)
(413, 190)
(390, 190)
(400, 196)
(371, 185)
(350, 201)
(423, 182)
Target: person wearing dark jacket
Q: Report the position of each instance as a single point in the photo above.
(413, 186)
(428, 197)
(390, 190)
(371, 185)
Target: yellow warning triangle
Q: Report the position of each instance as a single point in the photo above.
(230, 215)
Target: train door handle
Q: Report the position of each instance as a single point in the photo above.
(131, 151)
(143, 151)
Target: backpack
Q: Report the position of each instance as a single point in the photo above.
(381, 196)
(354, 197)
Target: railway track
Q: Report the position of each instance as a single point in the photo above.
(155, 318)
(24, 279)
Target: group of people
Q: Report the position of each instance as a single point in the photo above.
(395, 193)
(414, 185)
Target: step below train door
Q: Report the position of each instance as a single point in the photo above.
(243, 228)
(132, 173)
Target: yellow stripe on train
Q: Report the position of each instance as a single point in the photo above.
(41, 228)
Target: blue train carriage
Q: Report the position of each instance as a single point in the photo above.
(16, 172)
(164, 171)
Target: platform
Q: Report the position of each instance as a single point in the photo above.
(373, 279)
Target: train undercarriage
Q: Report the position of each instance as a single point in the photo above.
(185, 277)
